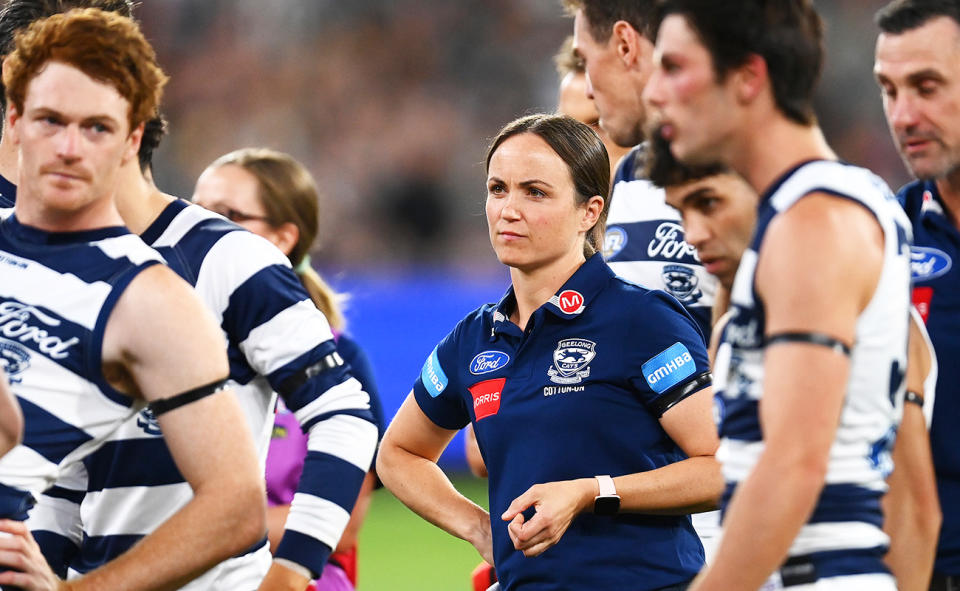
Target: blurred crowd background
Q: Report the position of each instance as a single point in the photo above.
(390, 103)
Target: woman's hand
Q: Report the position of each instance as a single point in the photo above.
(556, 503)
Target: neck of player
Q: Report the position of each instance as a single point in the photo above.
(8, 157)
(765, 158)
(138, 199)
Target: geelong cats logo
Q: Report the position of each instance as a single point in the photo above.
(571, 361)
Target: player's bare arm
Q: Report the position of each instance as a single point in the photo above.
(819, 244)
(407, 465)
(168, 343)
(911, 509)
(11, 418)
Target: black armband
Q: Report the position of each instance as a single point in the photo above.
(913, 398)
(671, 398)
(297, 380)
(811, 338)
(164, 405)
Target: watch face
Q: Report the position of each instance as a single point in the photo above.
(606, 505)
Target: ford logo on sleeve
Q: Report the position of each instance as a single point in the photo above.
(928, 263)
(488, 361)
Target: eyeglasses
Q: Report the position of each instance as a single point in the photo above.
(238, 217)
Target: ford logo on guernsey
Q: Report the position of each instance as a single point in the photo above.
(928, 263)
(488, 361)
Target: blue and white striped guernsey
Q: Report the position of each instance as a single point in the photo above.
(277, 340)
(843, 536)
(57, 291)
(644, 243)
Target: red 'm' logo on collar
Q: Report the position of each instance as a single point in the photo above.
(486, 397)
(571, 301)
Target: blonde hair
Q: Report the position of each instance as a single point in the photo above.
(289, 194)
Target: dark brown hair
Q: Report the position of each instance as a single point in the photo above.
(584, 154)
(603, 14)
(664, 170)
(787, 34)
(901, 16)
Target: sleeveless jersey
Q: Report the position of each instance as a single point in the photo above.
(644, 242)
(57, 291)
(844, 534)
(275, 336)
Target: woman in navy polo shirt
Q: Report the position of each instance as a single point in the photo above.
(589, 395)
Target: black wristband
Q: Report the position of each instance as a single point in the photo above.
(164, 405)
(913, 398)
(297, 380)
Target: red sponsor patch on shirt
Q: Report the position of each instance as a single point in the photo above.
(571, 301)
(486, 397)
(922, 296)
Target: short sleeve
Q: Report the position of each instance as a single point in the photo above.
(438, 389)
(669, 360)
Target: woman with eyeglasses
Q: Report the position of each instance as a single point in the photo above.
(271, 194)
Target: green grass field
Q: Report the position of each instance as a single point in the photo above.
(399, 551)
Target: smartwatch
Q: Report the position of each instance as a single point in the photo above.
(608, 501)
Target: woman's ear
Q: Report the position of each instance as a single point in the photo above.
(285, 236)
(591, 212)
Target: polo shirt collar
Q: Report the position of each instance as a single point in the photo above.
(571, 300)
(932, 202)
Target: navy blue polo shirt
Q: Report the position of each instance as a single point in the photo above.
(935, 270)
(8, 193)
(578, 393)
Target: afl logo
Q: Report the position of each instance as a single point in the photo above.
(614, 240)
(928, 263)
(571, 302)
(488, 361)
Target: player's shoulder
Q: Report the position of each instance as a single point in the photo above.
(156, 285)
(127, 248)
(829, 177)
(203, 233)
